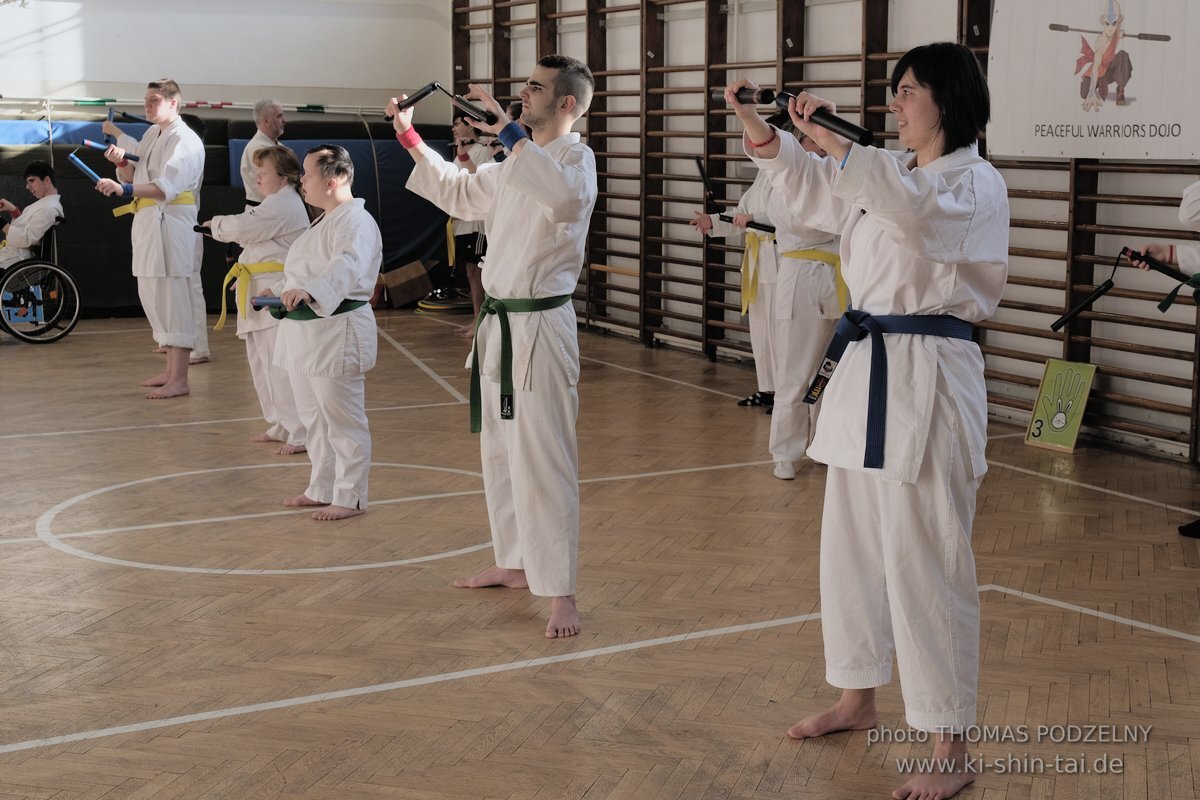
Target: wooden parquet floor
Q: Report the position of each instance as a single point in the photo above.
(167, 630)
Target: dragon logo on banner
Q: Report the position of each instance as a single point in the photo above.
(1056, 95)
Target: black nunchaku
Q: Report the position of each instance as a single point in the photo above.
(461, 103)
(710, 202)
(1102, 289)
(822, 117)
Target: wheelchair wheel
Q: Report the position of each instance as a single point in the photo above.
(39, 301)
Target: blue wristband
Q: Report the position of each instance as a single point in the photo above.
(510, 134)
(127, 190)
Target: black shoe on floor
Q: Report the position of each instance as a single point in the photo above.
(1191, 530)
(758, 399)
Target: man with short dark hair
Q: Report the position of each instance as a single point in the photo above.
(29, 226)
(535, 206)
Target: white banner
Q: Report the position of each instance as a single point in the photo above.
(1095, 79)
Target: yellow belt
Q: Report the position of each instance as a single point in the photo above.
(182, 199)
(750, 267)
(242, 273)
(843, 292)
(450, 241)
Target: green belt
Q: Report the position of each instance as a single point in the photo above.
(305, 313)
(502, 308)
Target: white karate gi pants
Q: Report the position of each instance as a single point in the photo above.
(273, 387)
(762, 336)
(897, 571)
(531, 474)
(167, 303)
(200, 315)
(333, 411)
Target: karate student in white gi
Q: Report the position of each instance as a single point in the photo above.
(266, 230)
(268, 116)
(759, 269)
(1186, 259)
(29, 226)
(535, 205)
(327, 339)
(924, 248)
(470, 243)
(165, 188)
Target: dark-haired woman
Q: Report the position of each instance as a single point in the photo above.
(924, 249)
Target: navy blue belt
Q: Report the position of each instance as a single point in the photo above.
(854, 326)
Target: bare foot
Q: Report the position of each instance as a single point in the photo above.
(172, 389)
(335, 512)
(291, 450)
(943, 783)
(161, 379)
(159, 350)
(264, 437)
(495, 576)
(302, 500)
(198, 360)
(850, 713)
(564, 618)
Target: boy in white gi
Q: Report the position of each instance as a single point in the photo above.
(924, 247)
(165, 188)
(29, 226)
(759, 271)
(535, 206)
(268, 116)
(266, 230)
(327, 339)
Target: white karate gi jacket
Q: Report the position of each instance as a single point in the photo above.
(535, 206)
(164, 244)
(753, 202)
(247, 168)
(265, 232)
(29, 228)
(336, 259)
(1188, 255)
(480, 154)
(931, 240)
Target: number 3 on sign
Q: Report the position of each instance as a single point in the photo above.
(1059, 406)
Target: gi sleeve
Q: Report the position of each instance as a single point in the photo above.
(564, 190)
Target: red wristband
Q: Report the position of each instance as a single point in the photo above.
(16, 212)
(124, 162)
(409, 139)
(764, 144)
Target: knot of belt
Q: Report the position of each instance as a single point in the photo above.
(750, 270)
(502, 308)
(181, 199)
(854, 326)
(242, 274)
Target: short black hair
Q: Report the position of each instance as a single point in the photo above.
(955, 76)
(333, 161)
(39, 169)
(574, 79)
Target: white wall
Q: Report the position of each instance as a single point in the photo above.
(332, 52)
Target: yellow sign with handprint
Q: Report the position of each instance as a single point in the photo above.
(1058, 408)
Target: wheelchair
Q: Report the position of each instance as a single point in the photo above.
(39, 301)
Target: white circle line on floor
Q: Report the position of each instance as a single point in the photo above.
(46, 534)
(529, 663)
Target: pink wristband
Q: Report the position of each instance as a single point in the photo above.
(16, 212)
(409, 139)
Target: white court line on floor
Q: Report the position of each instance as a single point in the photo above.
(78, 332)
(1006, 435)
(46, 535)
(512, 666)
(1092, 487)
(438, 379)
(203, 422)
